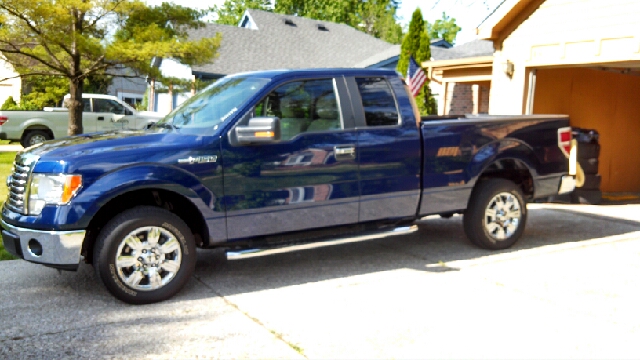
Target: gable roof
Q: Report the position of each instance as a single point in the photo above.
(473, 48)
(505, 17)
(273, 44)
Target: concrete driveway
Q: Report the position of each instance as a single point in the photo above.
(568, 289)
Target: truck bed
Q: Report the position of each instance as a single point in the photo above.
(459, 149)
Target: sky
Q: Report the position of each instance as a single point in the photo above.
(468, 13)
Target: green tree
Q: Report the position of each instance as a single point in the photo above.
(41, 91)
(75, 39)
(9, 104)
(416, 43)
(374, 17)
(445, 28)
(231, 11)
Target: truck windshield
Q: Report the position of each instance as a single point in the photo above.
(213, 105)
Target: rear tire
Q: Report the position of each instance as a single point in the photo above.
(34, 137)
(145, 255)
(497, 214)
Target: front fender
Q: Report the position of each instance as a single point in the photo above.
(144, 176)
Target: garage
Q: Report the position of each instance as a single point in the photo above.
(575, 57)
(604, 98)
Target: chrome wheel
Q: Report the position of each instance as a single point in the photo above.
(37, 139)
(148, 258)
(502, 216)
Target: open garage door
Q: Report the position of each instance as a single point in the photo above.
(604, 98)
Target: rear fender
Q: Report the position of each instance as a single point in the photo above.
(494, 153)
(37, 124)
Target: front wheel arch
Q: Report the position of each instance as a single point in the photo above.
(155, 197)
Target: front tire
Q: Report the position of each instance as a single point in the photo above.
(496, 215)
(145, 255)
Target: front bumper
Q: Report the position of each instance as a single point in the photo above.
(567, 185)
(59, 249)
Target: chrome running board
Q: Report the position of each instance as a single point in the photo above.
(317, 243)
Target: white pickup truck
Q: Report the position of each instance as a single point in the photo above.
(100, 113)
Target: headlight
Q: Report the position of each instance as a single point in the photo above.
(52, 189)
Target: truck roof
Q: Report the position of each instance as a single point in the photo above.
(94, 96)
(272, 74)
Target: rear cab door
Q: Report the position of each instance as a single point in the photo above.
(389, 148)
(110, 115)
(89, 118)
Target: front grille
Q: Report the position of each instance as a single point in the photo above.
(18, 182)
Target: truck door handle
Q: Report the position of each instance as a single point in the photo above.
(100, 117)
(345, 152)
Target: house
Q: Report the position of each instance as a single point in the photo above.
(461, 77)
(575, 57)
(10, 87)
(128, 89)
(264, 40)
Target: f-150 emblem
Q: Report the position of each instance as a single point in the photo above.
(198, 159)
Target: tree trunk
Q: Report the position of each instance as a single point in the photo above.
(75, 107)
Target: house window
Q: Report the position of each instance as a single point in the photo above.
(300, 159)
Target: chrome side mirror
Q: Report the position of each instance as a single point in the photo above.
(259, 130)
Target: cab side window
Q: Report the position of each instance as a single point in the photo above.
(303, 106)
(107, 105)
(86, 105)
(378, 102)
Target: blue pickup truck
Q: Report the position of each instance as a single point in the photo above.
(271, 158)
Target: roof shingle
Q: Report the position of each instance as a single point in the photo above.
(276, 45)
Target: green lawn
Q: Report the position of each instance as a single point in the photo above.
(6, 160)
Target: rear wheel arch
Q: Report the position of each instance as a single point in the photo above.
(35, 130)
(512, 169)
(174, 202)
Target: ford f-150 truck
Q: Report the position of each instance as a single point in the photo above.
(100, 113)
(271, 158)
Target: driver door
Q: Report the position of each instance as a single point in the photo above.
(308, 179)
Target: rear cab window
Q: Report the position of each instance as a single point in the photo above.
(378, 102)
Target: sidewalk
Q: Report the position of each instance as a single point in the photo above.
(11, 148)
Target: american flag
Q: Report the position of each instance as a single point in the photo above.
(415, 77)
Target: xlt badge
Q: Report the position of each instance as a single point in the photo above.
(198, 159)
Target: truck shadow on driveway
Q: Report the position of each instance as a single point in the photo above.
(436, 243)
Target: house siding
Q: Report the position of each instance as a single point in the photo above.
(9, 87)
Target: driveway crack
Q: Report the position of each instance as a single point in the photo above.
(279, 336)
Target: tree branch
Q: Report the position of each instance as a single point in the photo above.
(33, 28)
(18, 51)
(29, 74)
(93, 23)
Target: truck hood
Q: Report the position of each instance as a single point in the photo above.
(100, 153)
